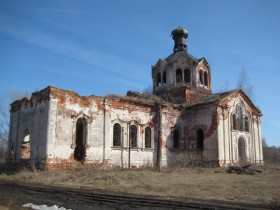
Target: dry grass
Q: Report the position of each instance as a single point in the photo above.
(177, 183)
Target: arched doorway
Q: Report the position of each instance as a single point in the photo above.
(241, 150)
(80, 150)
(25, 146)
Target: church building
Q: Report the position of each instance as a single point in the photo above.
(58, 128)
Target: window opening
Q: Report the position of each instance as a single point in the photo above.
(148, 137)
(164, 78)
(176, 139)
(205, 79)
(117, 135)
(199, 139)
(179, 77)
(246, 123)
(187, 75)
(158, 79)
(25, 146)
(240, 117)
(80, 151)
(133, 136)
(201, 77)
(234, 126)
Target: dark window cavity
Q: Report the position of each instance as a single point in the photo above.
(234, 123)
(117, 135)
(179, 77)
(246, 123)
(176, 139)
(201, 77)
(133, 136)
(148, 137)
(80, 151)
(164, 78)
(205, 79)
(158, 79)
(187, 75)
(199, 139)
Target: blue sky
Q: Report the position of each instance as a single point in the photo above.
(102, 47)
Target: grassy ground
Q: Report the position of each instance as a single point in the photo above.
(177, 183)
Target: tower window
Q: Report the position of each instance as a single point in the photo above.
(179, 77)
(205, 79)
(164, 78)
(187, 75)
(201, 77)
(117, 135)
(158, 79)
(176, 139)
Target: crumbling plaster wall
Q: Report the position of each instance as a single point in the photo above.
(29, 116)
(187, 121)
(228, 137)
(66, 107)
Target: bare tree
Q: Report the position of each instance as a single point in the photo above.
(5, 102)
(244, 84)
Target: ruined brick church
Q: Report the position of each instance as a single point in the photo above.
(60, 128)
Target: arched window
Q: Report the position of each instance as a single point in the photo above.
(80, 150)
(199, 139)
(25, 146)
(133, 136)
(241, 149)
(158, 79)
(179, 77)
(246, 123)
(239, 110)
(176, 139)
(234, 123)
(148, 137)
(117, 131)
(205, 79)
(164, 78)
(201, 77)
(187, 75)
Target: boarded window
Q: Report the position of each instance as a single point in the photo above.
(80, 151)
(117, 135)
(201, 77)
(133, 136)
(199, 139)
(148, 137)
(164, 78)
(187, 75)
(158, 79)
(205, 79)
(179, 77)
(175, 139)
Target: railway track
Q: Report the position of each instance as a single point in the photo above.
(84, 197)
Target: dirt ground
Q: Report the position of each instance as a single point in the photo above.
(208, 186)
